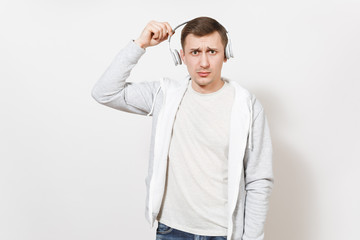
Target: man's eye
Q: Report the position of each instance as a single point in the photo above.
(212, 51)
(195, 52)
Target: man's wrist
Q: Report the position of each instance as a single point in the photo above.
(139, 44)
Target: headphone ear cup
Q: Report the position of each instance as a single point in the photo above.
(173, 57)
(231, 54)
(176, 57)
(227, 54)
(228, 50)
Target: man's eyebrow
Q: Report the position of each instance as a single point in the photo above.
(198, 49)
(215, 49)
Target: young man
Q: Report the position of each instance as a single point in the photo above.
(210, 168)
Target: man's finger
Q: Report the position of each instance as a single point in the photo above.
(163, 29)
(156, 30)
(169, 29)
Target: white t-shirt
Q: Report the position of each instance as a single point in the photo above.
(195, 198)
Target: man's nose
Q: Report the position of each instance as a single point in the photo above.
(204, 61)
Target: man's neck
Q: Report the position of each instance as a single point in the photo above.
(204, 89)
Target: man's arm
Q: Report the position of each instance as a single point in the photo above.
(259, 177)
(135, 97)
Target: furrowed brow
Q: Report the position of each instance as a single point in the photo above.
(215, 49)
(198, 49)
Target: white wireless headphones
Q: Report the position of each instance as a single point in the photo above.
(176, 56)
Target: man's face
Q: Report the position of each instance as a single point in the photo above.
(204, 57)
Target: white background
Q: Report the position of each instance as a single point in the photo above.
(71, 168)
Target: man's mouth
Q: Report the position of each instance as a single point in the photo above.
(203, 74)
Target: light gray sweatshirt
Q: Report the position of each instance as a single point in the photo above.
(250, 174)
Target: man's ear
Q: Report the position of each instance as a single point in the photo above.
(182, 55)
(225, 59)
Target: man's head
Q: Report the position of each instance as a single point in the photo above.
(202, 26)
(203, 42)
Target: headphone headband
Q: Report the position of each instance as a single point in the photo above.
(174, 33)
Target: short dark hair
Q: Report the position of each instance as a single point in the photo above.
(202, 26)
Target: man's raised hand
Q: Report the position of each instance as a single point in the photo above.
(154, 33)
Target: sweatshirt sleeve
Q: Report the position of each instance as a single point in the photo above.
(259, 177)
(113, 91)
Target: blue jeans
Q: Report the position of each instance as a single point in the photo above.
(164, 232)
